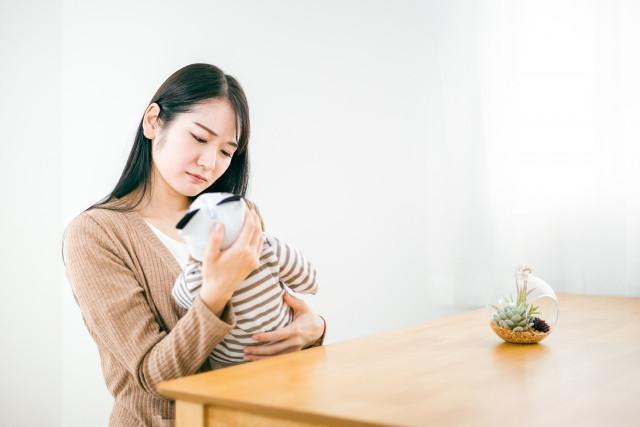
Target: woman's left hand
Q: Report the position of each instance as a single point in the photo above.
(305, 329)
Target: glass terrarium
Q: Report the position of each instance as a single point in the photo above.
(530, 315)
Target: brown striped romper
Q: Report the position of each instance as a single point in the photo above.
(257, 303)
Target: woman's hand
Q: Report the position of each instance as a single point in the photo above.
(223, 271)
(306, 328)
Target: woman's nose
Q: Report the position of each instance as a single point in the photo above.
(208, 159)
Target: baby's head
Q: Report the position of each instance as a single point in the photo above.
(205, 212)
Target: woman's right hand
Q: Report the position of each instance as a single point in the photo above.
(223, 271)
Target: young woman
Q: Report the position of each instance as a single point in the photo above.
(193, 138)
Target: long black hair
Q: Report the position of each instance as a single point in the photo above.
(180, 93)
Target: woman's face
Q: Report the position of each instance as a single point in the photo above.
(196, 148)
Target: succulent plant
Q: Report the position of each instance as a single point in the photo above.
(514, 317)
(517, 314)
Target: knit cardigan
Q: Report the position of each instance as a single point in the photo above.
(121, 275)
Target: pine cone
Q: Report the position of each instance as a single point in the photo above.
(540, 325)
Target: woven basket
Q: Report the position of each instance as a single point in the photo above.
(525, 337)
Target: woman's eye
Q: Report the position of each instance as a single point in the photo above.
(204, 141)
(199, 139)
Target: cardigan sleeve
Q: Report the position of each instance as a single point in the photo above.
(115, 309)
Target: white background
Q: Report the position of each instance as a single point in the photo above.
(416, 151)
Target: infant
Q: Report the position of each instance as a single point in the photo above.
(257, 302)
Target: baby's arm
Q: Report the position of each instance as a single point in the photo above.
(188, 283)
(295, 271)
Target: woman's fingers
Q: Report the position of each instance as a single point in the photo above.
(276, 335)
(295, 336)
(251, 234)
(212, 252)
(256, 357)
(297, 305)
(254, 221)
(254, 207)
(291, 344)
(256, 241)
(248, 229)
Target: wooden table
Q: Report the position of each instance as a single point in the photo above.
(451, 371)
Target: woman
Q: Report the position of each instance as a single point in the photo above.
(192, 139)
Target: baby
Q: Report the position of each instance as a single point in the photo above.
(257, 302)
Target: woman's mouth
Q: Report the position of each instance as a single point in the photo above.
(195, 178)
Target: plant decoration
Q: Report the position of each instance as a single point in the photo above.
(517, 320)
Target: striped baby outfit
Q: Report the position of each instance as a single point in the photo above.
(257, 302)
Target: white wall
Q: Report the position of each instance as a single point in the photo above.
(31, 221)
(383, 135)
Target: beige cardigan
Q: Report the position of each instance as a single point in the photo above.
(121, 275)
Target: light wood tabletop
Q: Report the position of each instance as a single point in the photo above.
(450, 371)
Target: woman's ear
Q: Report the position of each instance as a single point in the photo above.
(150, 122)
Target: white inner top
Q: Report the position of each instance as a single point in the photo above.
(177, 248)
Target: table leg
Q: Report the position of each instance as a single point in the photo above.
(189, 414)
